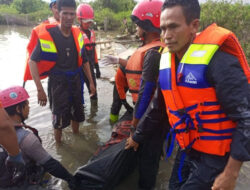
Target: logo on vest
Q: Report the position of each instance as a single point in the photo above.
(132, 82)
(190, 78)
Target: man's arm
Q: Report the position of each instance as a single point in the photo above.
(148, 83)
(87, 72)
(155, 116)
(233, 93)
(35, 57)
(8, 136)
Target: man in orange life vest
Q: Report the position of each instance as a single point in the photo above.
(85, 15)
(8, 140)
(60, 54)
(34, 37)
(142, 70)
(119, 95)
(204, 86)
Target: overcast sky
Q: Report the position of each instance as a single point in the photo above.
(201, 1)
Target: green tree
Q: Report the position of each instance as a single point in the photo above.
(7, 2)
(114, 5)
(233, 15)
(27, 6)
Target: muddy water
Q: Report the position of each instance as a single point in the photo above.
(76, 149)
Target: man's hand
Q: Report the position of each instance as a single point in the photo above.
(227, 179)
(131, 144)
(109, 60)
(92, 89)
(127, 106)
(16, 167)
(224, 182)
(42, 97)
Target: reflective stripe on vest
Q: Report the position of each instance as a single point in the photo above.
(194, 112)
(49, 51)
(81, 43)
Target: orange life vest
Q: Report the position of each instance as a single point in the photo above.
(134, 68)
(49, 51)
(90, 43)
(194, 112)
(31, 46)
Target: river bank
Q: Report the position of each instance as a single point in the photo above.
(77, 149)
(19, 20)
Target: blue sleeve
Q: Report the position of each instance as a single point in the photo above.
(149, 78)
(154, 117)
(145, 94)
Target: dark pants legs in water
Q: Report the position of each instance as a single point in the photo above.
(149, 157)
(116, 105)
(198, 172)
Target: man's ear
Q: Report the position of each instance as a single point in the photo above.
(195, 24)
(18, 109)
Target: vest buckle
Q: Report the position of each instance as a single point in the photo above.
(200, 128)
(182, 111)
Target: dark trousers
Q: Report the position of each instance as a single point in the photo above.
(198, 172)
(116, 104)
(149, 156)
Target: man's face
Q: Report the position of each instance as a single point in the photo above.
(55, 11)
(139, 31)
(25, 110)
(85, 25)
(176, 33)
(67, 16)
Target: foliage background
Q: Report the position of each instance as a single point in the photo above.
(231, 14)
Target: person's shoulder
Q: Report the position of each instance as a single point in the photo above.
(154, 51)
(221, 56)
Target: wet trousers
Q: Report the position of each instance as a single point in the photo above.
(198, 172)
(150, 153)
(116, 104)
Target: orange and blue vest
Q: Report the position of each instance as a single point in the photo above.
(195, 115)
(134, 68)
(90, 43)
(31, 46)
(48, 54)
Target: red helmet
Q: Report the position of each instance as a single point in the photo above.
(13, 95)
(85, 11)
(146, 15)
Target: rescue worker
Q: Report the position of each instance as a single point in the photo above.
(119, 95)
(142, 73)
(34, 37)
(37, 159)
(204, 86)
(60, 54)
(8, 140)
(85, 16)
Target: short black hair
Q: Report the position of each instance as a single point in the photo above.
(12, 109)
(65, 3)
(191, 8)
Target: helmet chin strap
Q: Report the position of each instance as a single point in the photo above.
(143, 37)
(20, 114)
